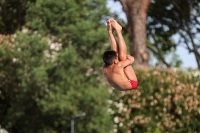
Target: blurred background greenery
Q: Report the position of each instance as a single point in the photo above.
(50, 68)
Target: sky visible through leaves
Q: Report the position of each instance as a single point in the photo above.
(188, 59)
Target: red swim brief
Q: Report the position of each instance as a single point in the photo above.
(133, 83)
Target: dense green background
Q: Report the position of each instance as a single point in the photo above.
(50, 70)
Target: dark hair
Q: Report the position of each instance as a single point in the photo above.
(109, 56)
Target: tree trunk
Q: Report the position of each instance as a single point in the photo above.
(136, 13)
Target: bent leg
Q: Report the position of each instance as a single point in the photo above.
(122, 50)
(111, 37)
(130, 73)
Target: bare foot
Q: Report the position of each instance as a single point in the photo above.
(115, 25)
(109, 26)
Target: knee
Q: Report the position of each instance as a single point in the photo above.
(122, 57)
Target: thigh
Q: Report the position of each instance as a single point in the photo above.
(122, 53)
(130, 73)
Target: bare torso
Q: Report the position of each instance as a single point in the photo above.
(116, 77)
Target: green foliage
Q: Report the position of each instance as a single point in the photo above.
(169, 19)
(165, 101)
(169, 58)
(71, 22)
(12, 15)
(50, 70)
(41, 88)
(22, 66)
(164, 24)
(64, 18)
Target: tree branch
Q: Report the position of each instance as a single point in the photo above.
(193, 45)
(158, 53)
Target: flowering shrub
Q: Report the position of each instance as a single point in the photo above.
(164, 101)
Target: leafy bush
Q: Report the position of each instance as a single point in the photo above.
(164, 101)
(42, 88)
